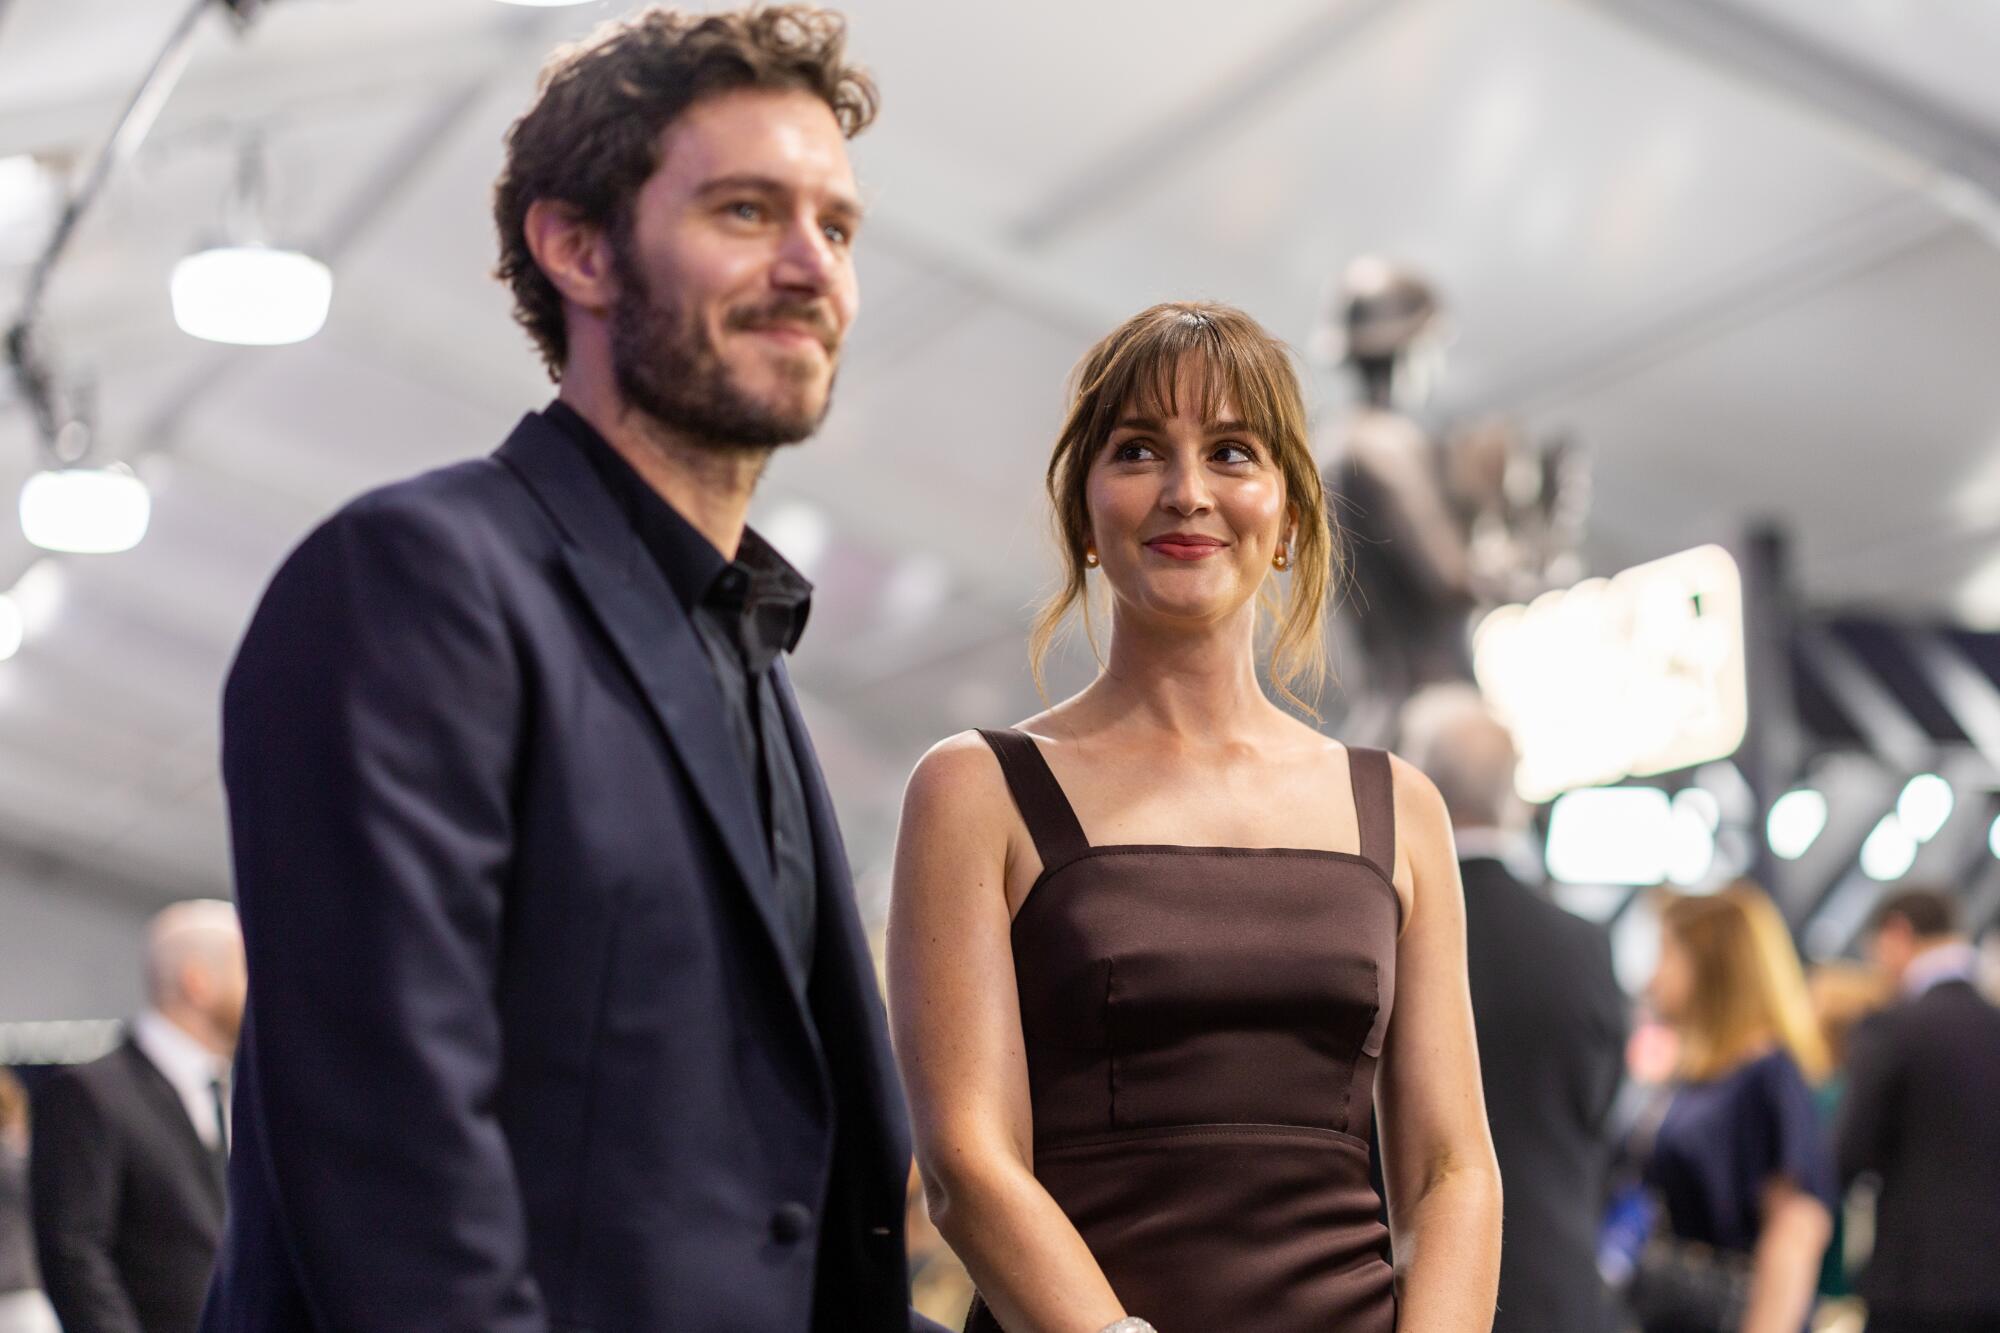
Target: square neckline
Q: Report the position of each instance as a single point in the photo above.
(1061, 841)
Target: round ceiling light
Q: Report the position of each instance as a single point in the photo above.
(86, 510)
(251, 295)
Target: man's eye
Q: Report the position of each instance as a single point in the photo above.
(837, 233)
(744, 210)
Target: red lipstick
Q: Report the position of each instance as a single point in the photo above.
(1186, 545)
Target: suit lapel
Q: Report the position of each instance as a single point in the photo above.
(848, 1007)
(652, 634)
(171, 1112)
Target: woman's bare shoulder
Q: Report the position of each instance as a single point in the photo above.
(1424, 847)
(958, 820)
(958, 778)
(1416, 794)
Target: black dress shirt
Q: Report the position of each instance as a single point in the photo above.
(745, 612)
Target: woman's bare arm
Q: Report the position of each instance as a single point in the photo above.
(956, 1019)
(1791, 1244)
(1444, 1185)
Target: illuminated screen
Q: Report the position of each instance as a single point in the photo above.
(1620, 677)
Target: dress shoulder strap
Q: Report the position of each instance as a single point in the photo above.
(1038, 796)
(1374, 806)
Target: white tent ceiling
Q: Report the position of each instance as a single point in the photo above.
(1746, 256)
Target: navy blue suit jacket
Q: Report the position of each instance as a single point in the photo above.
(522, 1051)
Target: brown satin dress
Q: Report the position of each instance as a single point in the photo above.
(1203, 1025)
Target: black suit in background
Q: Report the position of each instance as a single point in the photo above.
(1922, 1111)
(524, 1050)
(1552, 1021)
(127, 1199)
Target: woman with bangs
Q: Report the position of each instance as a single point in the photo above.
(1159, 953)
(1740, 1160)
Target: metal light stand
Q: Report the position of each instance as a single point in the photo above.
(36, 381)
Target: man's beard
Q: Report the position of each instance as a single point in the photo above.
(667, 367)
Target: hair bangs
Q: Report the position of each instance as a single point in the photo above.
(1191, 365)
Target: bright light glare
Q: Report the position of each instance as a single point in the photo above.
(1630, 676)
(87, 511)
(1993, 837)
(1611, 835)
(1796, 821)
(1924, 805)
(11, 628)
(251, 295)
(1690, 838)
(1699, 803)
(1889, 852)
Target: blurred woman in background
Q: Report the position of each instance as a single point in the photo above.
(1741, 1160)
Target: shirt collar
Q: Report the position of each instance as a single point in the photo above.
(771, 597)
(1952, 961)
(760, 586)
(185, 1061)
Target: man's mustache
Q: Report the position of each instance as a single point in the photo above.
(812, 317)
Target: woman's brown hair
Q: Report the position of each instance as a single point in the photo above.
(1748, 990)
(1138, 366)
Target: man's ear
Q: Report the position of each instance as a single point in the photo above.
(573, 254)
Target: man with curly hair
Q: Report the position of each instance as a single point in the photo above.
(561, 1017)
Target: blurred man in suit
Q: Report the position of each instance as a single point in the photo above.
(126, 1166)
(1551, 1018)
(561, 1015)
(1922, 1114)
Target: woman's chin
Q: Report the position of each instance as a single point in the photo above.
(1191, 607)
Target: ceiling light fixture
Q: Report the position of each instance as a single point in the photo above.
(1889, 851)
(1796, 820)
(251, 295)
(245, 290)
(1925, 805)
(86, 510)
(75, 506)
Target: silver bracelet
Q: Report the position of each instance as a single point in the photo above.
(1129, 1324)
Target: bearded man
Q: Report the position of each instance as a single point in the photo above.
(561, 1016)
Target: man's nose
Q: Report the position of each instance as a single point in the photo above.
(807, 260)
